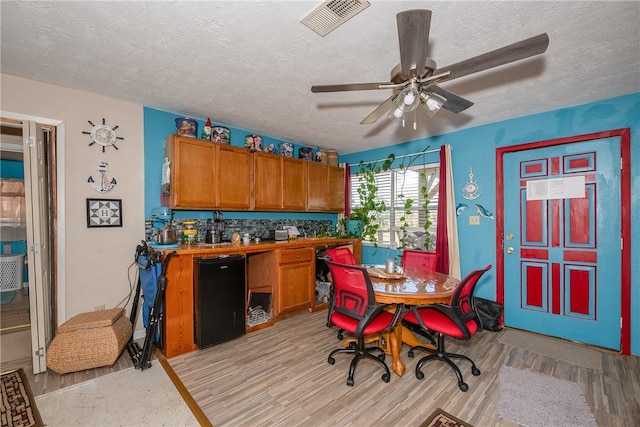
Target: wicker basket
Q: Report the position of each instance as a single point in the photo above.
(89, 340)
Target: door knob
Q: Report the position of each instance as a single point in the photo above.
(509, 250)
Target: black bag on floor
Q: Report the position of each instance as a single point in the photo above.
(489, 313)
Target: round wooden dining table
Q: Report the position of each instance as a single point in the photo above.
(414, 286)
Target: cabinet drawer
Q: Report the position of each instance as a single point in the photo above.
(296, 255)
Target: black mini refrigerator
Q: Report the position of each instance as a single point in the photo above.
(219, 294)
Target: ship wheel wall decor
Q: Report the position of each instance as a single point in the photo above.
(103, 135)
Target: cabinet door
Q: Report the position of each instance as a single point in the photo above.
(316, 186)
(335, 189)
(267, 181)
(296, 270)
(295, 287)
(293, 184)
(192, 173)
(234, 177)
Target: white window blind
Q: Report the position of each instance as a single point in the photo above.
(395, 187)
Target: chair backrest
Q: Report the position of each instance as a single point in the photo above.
(462, 297)
(353, 289)
(420, 259)
(342, 255)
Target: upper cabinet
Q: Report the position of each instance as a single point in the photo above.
(325, 188)
(207, 175)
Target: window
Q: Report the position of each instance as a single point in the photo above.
(12, 210)
(396, 187)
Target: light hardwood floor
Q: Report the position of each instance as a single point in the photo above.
(280, 376)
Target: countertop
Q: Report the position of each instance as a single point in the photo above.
(262, 246)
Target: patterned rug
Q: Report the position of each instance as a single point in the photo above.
(440, 418)
(18, 404)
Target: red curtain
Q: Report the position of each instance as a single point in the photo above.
(347, 189)
(442, 238)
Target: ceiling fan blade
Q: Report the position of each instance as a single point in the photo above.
(454, 103)
(513, 52)
(413, 35)
(350, 86)
(380, 111)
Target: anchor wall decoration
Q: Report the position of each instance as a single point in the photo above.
(103, 186)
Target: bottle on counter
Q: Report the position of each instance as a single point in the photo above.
(190, 233)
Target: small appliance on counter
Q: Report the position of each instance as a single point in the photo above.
(164, 234)
(280, 235)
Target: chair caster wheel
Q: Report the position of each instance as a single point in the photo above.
(381, 357)
(463, 386)
(350, 382)
(410, 354)
(340, 336)
(331, 360)
(475, 371)
(386, 378)
(329, 324)
(419, 375)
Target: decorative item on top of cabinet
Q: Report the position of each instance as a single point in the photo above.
(186, 127)
(253, 142)
(221, 134)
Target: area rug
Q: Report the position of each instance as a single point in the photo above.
(18, 404)
(572, 353)
(537, 400)
(124, 398)
(440, 418)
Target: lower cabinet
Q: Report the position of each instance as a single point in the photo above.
(290, 272)
(296, 274)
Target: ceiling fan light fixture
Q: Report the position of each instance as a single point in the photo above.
(432, 103)
(409, 99)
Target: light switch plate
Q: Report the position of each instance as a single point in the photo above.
(474, 220)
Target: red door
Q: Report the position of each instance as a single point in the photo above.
(560, 231)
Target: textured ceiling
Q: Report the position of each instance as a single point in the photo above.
(251, 64)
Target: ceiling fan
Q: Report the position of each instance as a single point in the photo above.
(416, 78)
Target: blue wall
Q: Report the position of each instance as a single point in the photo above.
(475, 148)
(471, 148)
(158, 125)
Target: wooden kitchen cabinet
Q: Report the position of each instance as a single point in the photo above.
(335, 189)
(206, 175)
(211, 176)
(294, 190)
(267, 181)
(297, 272)
(192, 173)
(291, 274)
(233, 167)
(325, 188)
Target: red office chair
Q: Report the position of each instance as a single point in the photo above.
(356, 312)
(341, 255)
(458, 319)
(420, 259)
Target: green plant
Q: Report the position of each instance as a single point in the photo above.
(370, 206)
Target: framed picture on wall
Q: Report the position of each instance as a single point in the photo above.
(104, 213)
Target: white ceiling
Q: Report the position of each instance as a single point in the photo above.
(251, 64)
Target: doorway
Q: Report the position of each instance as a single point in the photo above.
(18, 314)
(562, 219)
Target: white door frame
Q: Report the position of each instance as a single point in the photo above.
(61, 219)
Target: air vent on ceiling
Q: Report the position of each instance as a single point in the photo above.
(331, 14)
